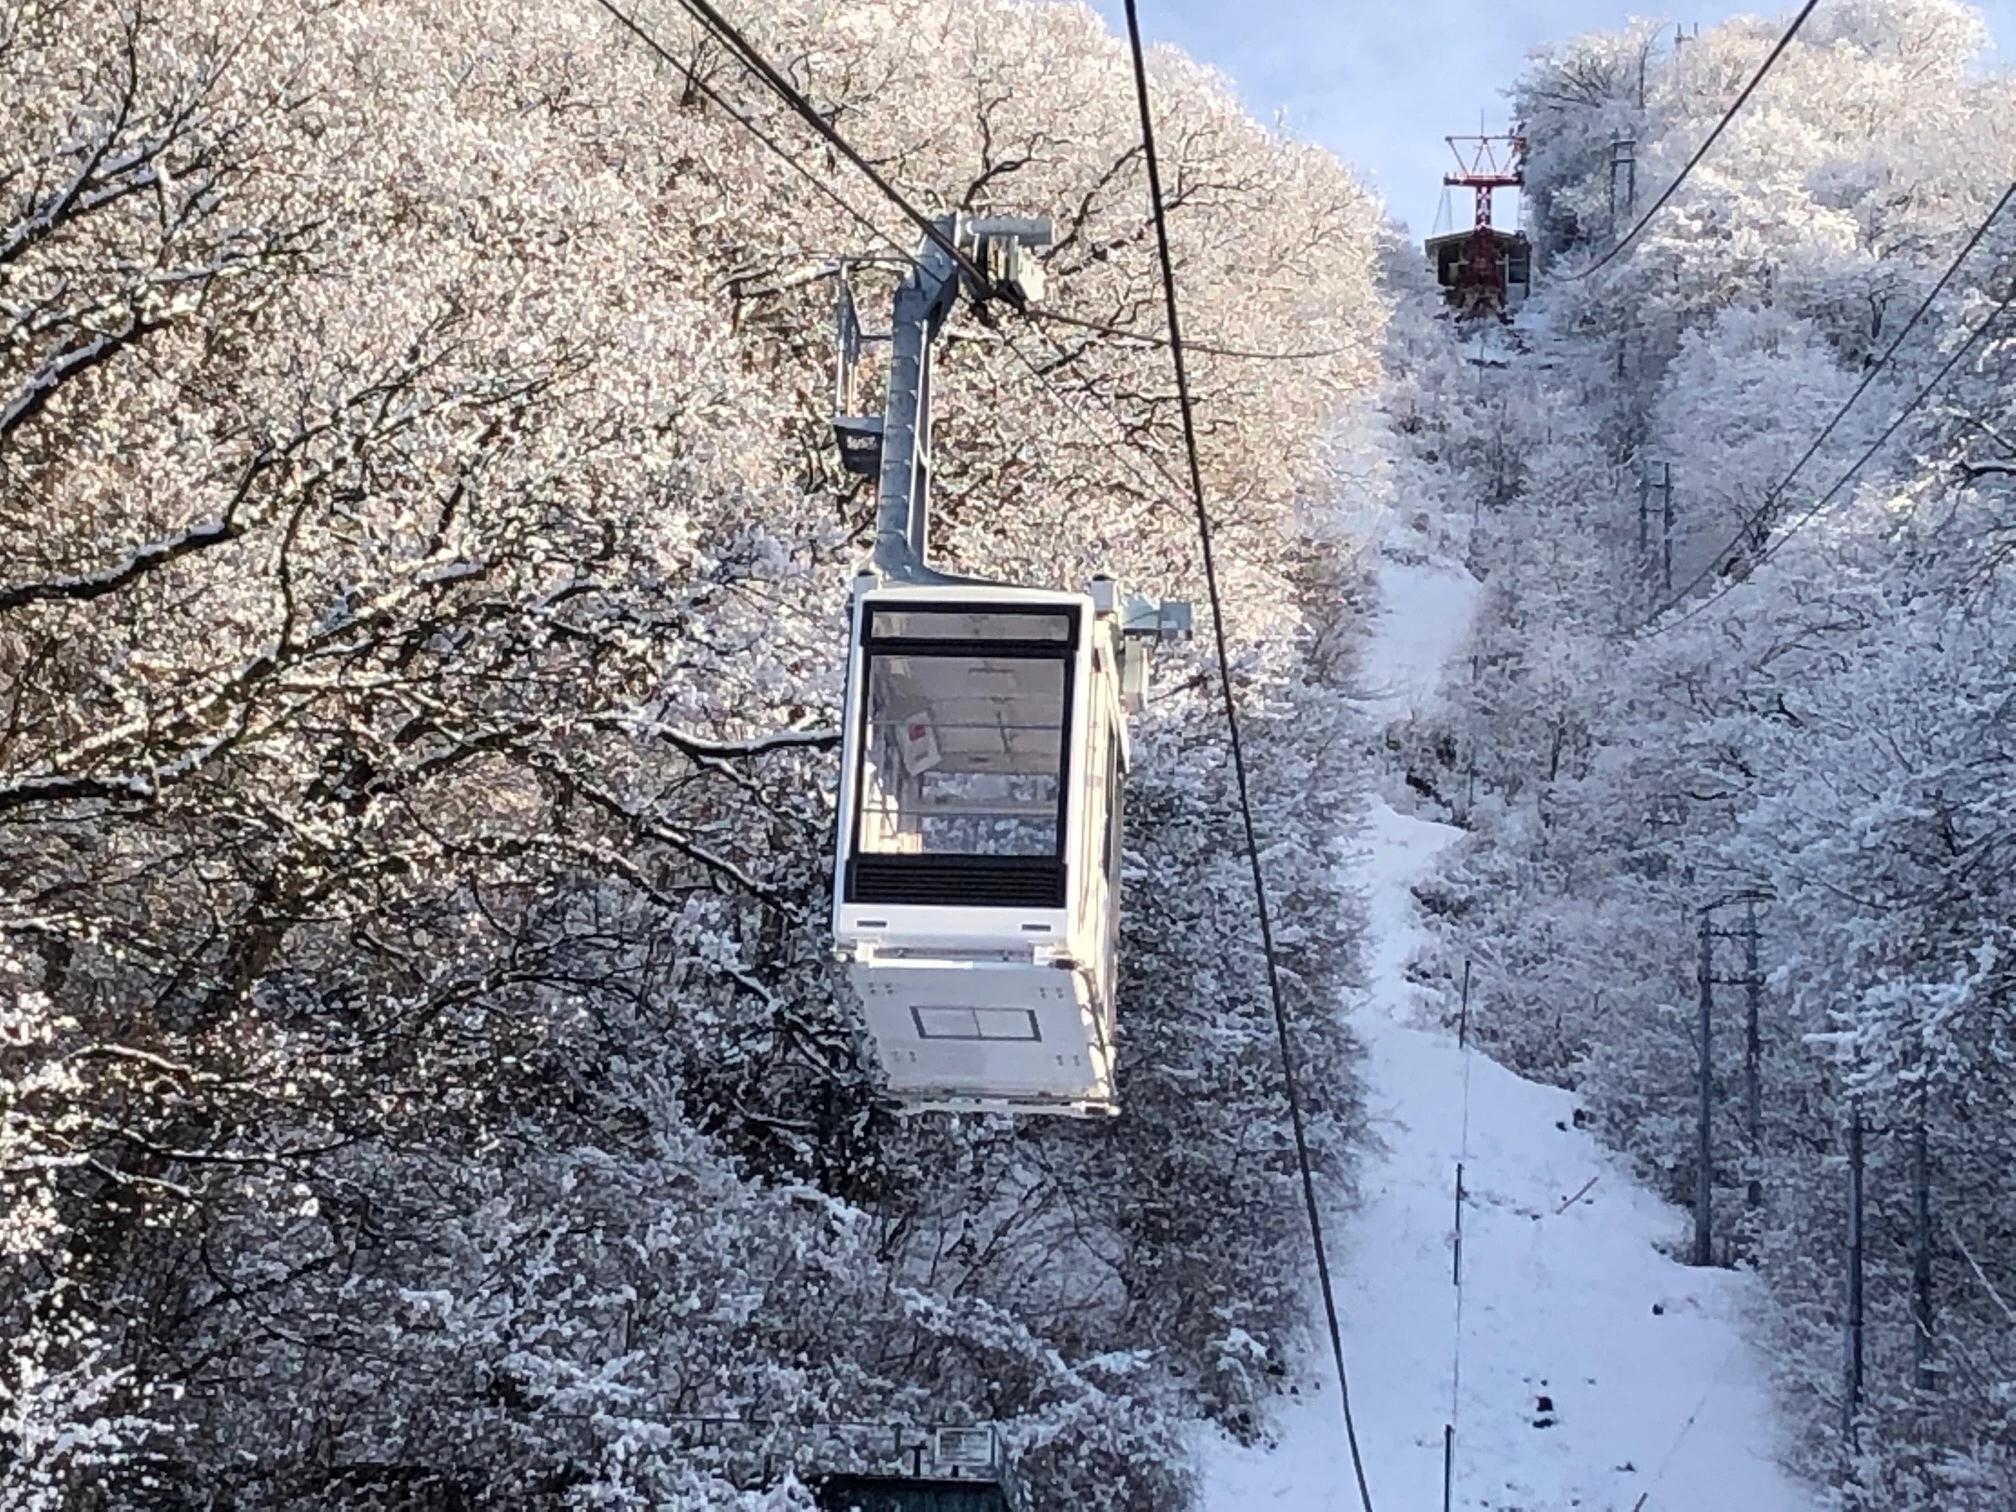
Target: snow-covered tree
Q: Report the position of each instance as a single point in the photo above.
(1818, 721)
(422, 1073)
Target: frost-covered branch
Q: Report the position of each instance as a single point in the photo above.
(725, 750)
(138, 562)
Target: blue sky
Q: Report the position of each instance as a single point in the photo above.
(1381, 84)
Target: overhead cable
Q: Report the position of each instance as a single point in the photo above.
(1761, 515)
(845, 205)
(746, 53)
(756, 64)
(1154, 338)
(1953, 361)
(1289, 1076)
(1702, 151)
(1077, 417)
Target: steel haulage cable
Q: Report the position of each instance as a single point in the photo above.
(711, 21)
(1702, 151)
(1281, 1029)
(1953, 361)
(630, 24)
(1215, 349)
(746, 53)
(1762, 513)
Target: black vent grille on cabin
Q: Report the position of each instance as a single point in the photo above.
(958, 881)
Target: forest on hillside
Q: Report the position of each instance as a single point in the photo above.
(1793, 708)
(424, 1079)
(425, 1082)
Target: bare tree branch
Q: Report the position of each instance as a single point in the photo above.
(136, 564)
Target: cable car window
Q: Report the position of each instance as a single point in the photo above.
(969, 624)
(964, 755)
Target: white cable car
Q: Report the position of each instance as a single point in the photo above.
(977, 881)
(979, 845)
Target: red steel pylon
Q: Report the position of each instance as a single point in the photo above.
(1484, 163)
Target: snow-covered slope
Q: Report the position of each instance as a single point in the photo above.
(1594, 1371)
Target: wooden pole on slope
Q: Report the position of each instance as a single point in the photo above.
(1704, 1176)
(1666, 528)
(1753, 1091)
(1644, 512)
(1921, 1251)
(1851, 1395)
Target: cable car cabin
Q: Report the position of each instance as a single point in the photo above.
(979, 842)
(1504, 264)
(963, 1469)
(900, 1493)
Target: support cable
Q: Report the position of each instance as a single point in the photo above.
(845, 205)
(1122, 453)
(1762, 513)
(745, 52)
(1701, 151)
(1973, 336)
(1289, 1077)
(1151, 338)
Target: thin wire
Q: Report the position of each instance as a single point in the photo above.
(693, 78)
(1763, 511)
(1666, 1460)
(1702, 151)
(745, 52)
(1150, 338)
(846, 206)
(1238, 752)
(747, 55)
(1842, 482)
(1124, 454)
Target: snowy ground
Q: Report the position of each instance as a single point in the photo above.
(1595, 1372)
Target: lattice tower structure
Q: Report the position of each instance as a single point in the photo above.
(1485, 163)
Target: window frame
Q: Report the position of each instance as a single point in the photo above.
(1049, 872)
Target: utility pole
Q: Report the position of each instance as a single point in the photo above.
(1666, 529)
(1624, 166)
(1655, 483)
(1681, 37)
(1462, 1044)
(1851, 1395)
(1456, 1262)
(1753, 1092)
(1704, 1176)
(1921, 1251)
(1644, 499)
(1752, 982)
